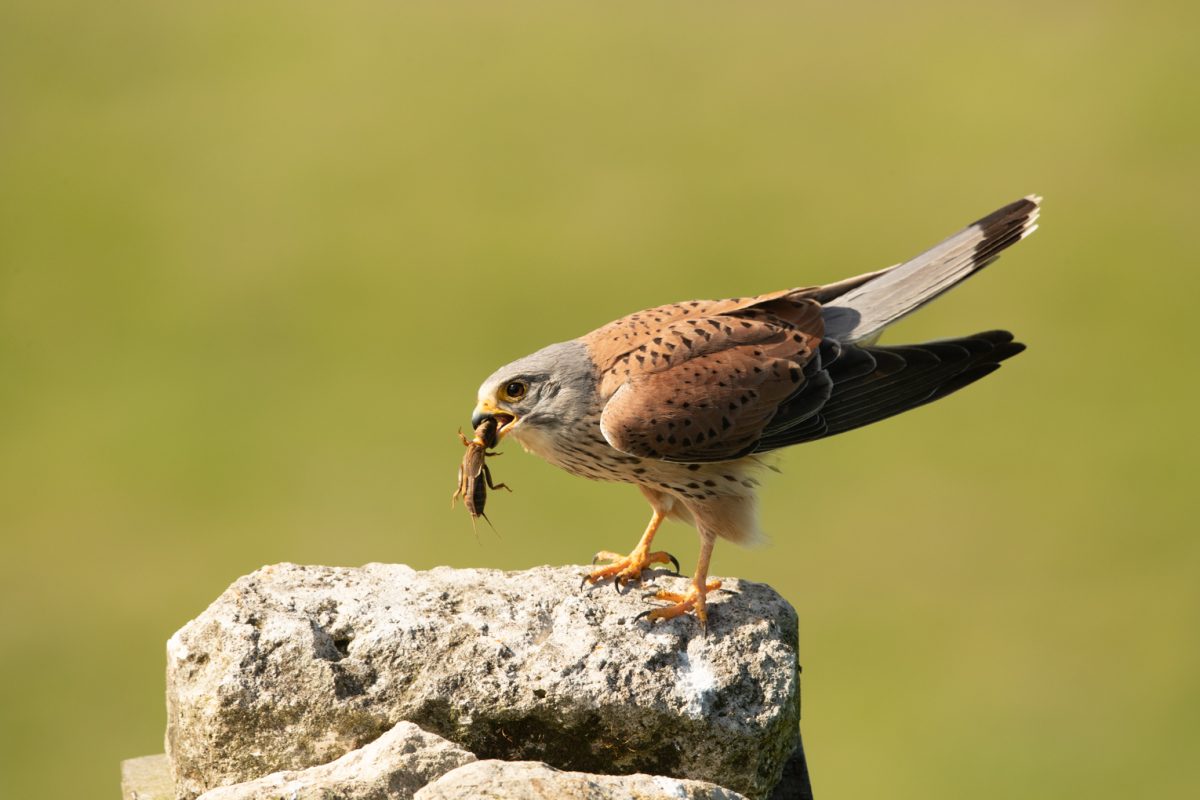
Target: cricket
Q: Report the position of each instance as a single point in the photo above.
(474, 476)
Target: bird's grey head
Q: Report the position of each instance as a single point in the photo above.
(543, 390)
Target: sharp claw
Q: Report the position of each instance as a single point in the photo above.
(583, 582)
(646, 613)
(617, 585)
(674, 561)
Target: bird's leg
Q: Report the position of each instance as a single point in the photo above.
(629, 568)
(694, 599)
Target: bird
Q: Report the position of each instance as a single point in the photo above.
(683, 400)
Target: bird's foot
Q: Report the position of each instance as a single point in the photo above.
(693, 600)
(626, 569)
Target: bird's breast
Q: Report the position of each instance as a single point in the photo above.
(581, 449)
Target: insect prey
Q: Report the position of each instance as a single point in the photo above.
(474, 477)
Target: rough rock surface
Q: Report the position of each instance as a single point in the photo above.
(532, 780)
(794, 783)
(393, 767)
(295, 666)
(146, 778)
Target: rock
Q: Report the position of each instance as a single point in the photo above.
(392, 767)
(793, 784)
(146, 778)
(531, 780)
(295, 666)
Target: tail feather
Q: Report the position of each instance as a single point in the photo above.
(870, 303)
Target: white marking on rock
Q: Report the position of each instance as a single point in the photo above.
(670, 787)
(697, 682)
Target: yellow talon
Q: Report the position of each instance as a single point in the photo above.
(624, 569)
(694, 600)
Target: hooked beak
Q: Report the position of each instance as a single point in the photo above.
(487, 410)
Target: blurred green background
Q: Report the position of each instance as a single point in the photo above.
(256, 258)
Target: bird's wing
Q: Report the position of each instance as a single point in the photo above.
(610, 343)
(703, 387)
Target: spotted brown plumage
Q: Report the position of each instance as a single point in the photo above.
(702, 387)
(681, 399)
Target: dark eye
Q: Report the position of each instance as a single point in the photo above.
(515, 390)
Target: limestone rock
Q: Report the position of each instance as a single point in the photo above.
(794, 784)
(295, 666)
(531, 780)
(146, 778)
(392, 767)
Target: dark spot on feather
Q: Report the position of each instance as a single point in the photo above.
(710, 483)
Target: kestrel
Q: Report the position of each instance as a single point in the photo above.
(681, 400)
